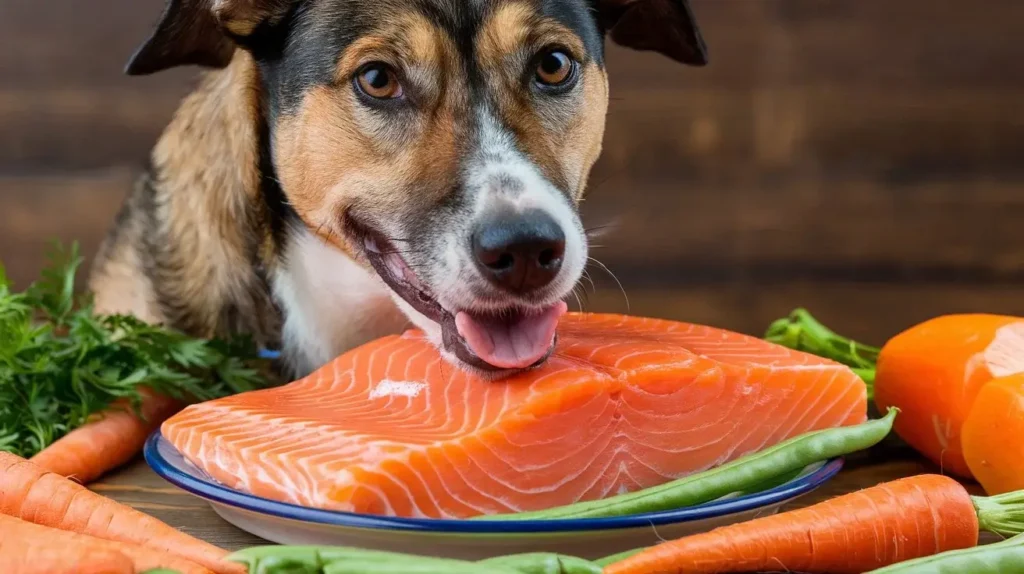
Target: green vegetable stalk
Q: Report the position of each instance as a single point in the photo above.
(1006, 557)
(745, 473)
(60, 362)
(342, 560)
(800, 331)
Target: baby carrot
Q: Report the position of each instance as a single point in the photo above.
(740, 474)
(62, 545)
(33, 494)
(108, 442)
(851, 534)
(1004, 557)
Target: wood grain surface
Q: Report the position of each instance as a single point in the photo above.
(858, 157)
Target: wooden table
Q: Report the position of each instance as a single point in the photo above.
(137, 486)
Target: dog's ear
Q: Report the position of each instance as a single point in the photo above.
(664, 26)
(202, 32)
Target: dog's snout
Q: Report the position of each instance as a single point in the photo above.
(519, 252)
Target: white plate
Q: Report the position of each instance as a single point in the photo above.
(590, 538)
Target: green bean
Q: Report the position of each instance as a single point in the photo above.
(284, 565)
(341, 559)
(1006, 557)
(742, 473)
(257, 555)
(772, 482)
(417, 566)
(608, 560)
(544, 563)
(310, 559)
(311, 555)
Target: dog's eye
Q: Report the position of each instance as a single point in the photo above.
(379, 81)
(555, 69)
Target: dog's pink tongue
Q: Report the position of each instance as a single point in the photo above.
(510, 343)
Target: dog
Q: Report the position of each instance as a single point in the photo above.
(346, 169)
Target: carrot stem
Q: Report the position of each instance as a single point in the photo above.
(1002, 514)
(800, 331)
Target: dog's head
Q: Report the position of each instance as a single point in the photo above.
(444, 143)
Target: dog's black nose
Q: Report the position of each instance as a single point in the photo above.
(520, 252)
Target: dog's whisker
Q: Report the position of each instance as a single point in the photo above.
(604, 230)
(576, 294)
(616, 279)
(589, 279)
(583, 295)
(597, 228)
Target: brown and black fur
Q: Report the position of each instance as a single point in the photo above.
(257, 153)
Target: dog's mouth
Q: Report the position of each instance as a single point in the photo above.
(506, 340)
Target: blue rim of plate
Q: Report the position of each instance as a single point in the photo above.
(167, 462)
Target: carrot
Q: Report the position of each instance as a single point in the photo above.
(25, 552)
(932, 372)
(108, 442)
(993, 435)
(60, 549)
(35, 495)
(855, 533)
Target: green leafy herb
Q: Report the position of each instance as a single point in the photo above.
(60, 363)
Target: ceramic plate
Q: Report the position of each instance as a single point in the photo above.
(591, 538)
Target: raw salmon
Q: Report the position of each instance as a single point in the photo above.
(624, 403)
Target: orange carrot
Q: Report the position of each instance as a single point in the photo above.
(22, 550)
(113, 439)
(934, 370)
(33, 494)
(60, 549)
(993, 435)
(855, 533)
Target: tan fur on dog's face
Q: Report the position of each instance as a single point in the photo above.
(562, 137)
(447, 197)
(474, 133)
(333, 152)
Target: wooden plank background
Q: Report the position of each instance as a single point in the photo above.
(863, 158)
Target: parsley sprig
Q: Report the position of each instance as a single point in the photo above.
(60, 362)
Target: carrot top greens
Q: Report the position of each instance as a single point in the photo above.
(60, 362)
(800, 331)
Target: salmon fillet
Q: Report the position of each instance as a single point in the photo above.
(625, 403)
